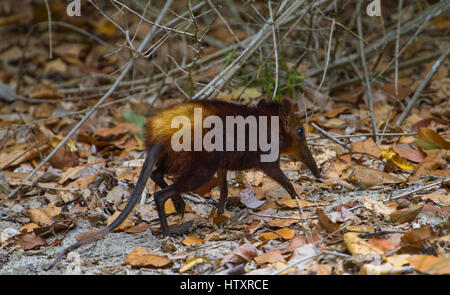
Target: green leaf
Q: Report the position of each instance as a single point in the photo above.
(134, 118)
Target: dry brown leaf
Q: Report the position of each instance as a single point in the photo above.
(357, 246)
(39, 217)
(20, 153)
(55, 66)
(244, 253)
(367, 147)
(141, 227)
(430, 139)
(192, 262)
(371, 177)
(384, 244)
(433, 161)
(52, 210)
(141, 257)
(28, 228)
(377, 207)
(439, 199)
(45, 91)
(406, 215)
(169, 207)
(398, 260)
(335, 112)
(282, 222)
(107, 134)
(270, 257)
(320, 269)
(126, 224)
(430, 264)
(414, 239)
(408, 153)
(30, 241)
(283, 233)
(325, 222)
(192, 240)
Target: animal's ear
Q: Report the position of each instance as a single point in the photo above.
(262, 104)
(286, 108)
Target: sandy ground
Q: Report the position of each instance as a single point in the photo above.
(106, 256)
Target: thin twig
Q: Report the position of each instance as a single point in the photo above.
(330, 136)
(328, 54)
(50, 42)
(366, 74)
(274, 34)
(422, 86)
(397, 44)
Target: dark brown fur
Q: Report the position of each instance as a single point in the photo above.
(194, 168)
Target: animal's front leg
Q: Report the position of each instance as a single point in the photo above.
(278, 175)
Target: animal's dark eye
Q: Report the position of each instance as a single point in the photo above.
(300, 131)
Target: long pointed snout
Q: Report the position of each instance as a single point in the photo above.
(309, 161)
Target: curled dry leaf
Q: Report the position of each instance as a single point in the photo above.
(141, 257)
(429, 139)
(325, 222)
(192, 262)
(430, 264)
(357, 246)
(192, 240)
(244, 253)
(371, 177)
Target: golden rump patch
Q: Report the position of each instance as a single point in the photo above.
(159, 126)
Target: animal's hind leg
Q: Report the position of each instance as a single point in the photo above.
(222, 180)
(188, 181)
(160, 199)
(158, 177)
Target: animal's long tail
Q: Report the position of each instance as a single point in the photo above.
(152, 156)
